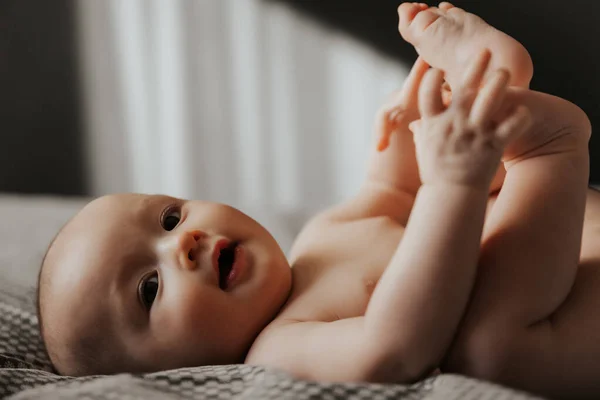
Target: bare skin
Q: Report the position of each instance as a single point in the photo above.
(532, 322)
(358, 288)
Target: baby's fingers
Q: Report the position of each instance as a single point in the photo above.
(430, 94)
(514, 125)
(471, 82)
(490, 98)
(476, 70)
(410, 88)
(404, 97)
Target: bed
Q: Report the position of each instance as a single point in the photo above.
(28, 225)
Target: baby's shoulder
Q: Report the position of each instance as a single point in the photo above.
(336, 228)
(314, 234)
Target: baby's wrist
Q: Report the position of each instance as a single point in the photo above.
(451, 187)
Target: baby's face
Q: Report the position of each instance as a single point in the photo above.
(169, 282)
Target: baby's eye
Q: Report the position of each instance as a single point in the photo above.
(148, 288)
(171, 219)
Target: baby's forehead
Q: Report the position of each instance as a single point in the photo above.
(100, 230)
(112, 213)
(84, 257)
(127, 203)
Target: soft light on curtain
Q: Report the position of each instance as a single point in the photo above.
(236, 101)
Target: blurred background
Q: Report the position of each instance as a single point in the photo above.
(248, 102)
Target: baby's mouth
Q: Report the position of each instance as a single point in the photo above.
(226, 261)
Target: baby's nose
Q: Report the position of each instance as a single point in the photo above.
(188, 246)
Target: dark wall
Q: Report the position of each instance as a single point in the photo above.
(40, 136)
(562, 38)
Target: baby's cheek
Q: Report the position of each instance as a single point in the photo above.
(196, 305)
(188, 309)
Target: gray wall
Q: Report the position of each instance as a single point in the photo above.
(40, 138)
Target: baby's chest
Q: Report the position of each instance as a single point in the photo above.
(336, 279)
(344, 292)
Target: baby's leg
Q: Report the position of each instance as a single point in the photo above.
(530, 252)
(512, 332)
(448, 38)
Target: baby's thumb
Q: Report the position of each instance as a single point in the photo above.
(415, 126)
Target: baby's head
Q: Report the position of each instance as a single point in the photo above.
(137, 283)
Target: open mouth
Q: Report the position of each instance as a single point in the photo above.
(226, 261)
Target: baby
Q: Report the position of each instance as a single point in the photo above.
(142, 283)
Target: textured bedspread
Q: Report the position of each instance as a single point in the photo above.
(28, 225)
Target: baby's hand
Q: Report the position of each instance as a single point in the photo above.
(462, 144)
(402, 107)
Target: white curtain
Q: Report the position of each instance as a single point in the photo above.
(238, 101)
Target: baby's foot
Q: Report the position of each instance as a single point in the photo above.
(449, 38)
(461, 144)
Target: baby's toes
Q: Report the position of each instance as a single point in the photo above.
(407, 12)
(444, 5)
(424, 20)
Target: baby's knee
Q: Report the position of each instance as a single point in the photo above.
(575, 121)
(582, 123)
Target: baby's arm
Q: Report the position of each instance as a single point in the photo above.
(421, 297)
(392, 163)
(419, 301)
